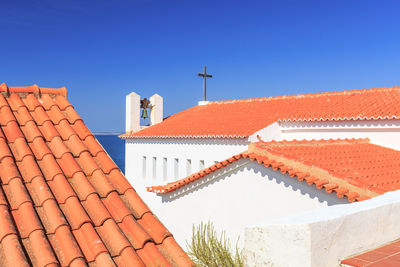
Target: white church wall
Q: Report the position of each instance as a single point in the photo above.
(324, 237)
(380, 132)
(243, 193)
(173, 159)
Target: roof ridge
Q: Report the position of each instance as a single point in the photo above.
(319, 142)
(307, 95)
(35, 89)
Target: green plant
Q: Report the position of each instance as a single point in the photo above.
(209, 249)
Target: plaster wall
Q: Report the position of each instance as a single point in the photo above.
(241, 194)
(156, 161)
(380, 132)
(324, 237)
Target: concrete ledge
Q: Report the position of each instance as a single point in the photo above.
(326, 236)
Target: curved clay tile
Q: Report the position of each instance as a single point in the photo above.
(63, 201)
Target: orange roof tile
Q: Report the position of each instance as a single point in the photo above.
(352, 168)
(63, 201)
(387, 255)
(242, 118)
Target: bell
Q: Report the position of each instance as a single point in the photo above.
(144, 114)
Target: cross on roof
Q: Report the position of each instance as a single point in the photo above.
(205, 76)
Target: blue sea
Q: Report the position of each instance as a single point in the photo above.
(114, 146)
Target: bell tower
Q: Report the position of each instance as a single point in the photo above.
(134, 106)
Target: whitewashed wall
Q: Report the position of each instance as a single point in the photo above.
(324, 237)
(381, 132)
(162, 156)
(241, 194)
(168, 160)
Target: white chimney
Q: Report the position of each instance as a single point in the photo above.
(202, 103)
(132, 112)
(156, 114)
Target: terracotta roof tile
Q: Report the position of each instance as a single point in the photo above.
(63, 201)
(8, 170)
(171, 250)
(28, 168)
(116, 206)
(351, 168)
(49, 167)
(89, 241)
(117, 179)
(134, 203)
(81, 185)
(96, 210)
(65, 130)
(93, 146)
(26, 219)
(7, 115)
(11, 252)
(48, 130)
(153, 226)
(60, 188)
(62, 102)
(87, 163)
(16, 193)
(51, 216)
(113, 237)
(241, 118)
(75, 145)
(103, 260)
(12, 131)
(23, 116)
(80, 128)
(39, 148)
(75, 213)
(134, 232)
(56, 115)
(71, 114)
(65, 246)
(39, 249)
(6, 223)
(128, 258)
(147, 252)
(386, 255)
(31, 131)
(105, 162)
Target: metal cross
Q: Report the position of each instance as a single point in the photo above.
(205, 76)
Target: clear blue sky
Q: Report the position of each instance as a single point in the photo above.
(102, 50)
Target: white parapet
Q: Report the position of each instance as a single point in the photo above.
(324, 237)
(156, 115)
(132, 112)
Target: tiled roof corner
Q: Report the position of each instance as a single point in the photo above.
(33, 89)
(63, 201)
(341, 166)
(242, 118)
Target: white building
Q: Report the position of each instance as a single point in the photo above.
(276, 179)
(196, 138)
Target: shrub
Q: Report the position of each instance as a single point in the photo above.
(207, 249)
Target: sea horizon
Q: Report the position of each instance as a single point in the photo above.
(114, 146)
(107, 133)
